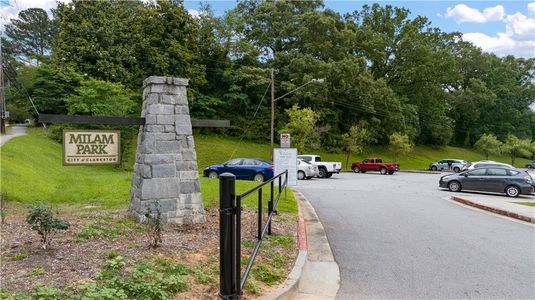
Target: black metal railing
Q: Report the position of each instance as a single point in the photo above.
(231, 280)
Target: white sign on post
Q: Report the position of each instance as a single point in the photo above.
(286, 159)
(285, 140)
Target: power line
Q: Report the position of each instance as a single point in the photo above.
(250, 121)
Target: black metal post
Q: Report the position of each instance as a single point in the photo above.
(259, 214)
(228, 286)
(270, 207)
(237, 251)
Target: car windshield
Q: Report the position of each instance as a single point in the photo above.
(305, 158)
(303, 162)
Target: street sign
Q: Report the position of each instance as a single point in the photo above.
(286, 159)
(91, 147)
(285, 140)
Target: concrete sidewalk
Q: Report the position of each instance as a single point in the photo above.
(500, 205)
(16, 130)
(320, 278)
(315, 274)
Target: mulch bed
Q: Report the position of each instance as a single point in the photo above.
(70, 260)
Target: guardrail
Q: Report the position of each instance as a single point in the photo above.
(231, 280)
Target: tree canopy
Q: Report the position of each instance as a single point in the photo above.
(382, 66)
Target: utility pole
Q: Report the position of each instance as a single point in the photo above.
(272, 111)
(2, 100)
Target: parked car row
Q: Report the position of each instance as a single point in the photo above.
(459, 165)
(308, 166)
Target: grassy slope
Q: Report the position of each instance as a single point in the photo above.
(222, 149)
(32, 171)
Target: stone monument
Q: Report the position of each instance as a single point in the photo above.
(166, 162)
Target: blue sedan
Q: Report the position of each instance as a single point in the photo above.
(243, 168)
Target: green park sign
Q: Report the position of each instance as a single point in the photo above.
(91, 147)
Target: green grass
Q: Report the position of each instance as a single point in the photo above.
(419, 158)
(19, 256)
(108, 227)
(32, 171)
(526, 203)
(35, 272)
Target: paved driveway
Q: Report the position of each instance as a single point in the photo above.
(398, 237)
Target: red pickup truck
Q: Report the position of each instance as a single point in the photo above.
(374, 164)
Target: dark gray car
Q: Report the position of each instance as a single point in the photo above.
(512, 182)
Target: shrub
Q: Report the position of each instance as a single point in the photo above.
(154, 224)
(42, 220)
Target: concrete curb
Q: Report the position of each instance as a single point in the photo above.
(420, 171)
(289, 288)
(494, 210)
(410, 171)
(321, 275)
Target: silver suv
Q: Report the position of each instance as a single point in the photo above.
(455, 165)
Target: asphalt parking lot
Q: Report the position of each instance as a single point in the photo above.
(400, 236)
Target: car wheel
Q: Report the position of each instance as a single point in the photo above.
(356, 169)
(323, 173)
(512, 191)
(301, 175)
(529, 166)
(454, 186)
(259, 177)
(383, 171)
(329, 175)
(213, 175)
(434, 168)
(456, 170)
(390, 172)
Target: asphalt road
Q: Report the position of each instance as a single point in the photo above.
(399, 237)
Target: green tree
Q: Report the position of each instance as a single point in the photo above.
(356, 140)
(488, 144)
(399, 145)
(515, 147)
(532, 149)
(32, 34)
(301, 126)
(100, 98)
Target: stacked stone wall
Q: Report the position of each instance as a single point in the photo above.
(166, 168)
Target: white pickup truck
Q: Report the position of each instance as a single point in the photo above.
(326, 169)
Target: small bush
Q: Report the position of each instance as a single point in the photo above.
(46, 293)
(112, 268)
(154, 224)
(42, 220)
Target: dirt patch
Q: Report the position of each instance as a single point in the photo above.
(76, 255)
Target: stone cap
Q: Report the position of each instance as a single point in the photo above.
(165, 80)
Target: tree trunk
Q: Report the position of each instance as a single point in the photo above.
(347, 159)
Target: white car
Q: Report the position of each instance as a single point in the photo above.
(306, 170)
(326, 169)
(488, 163)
